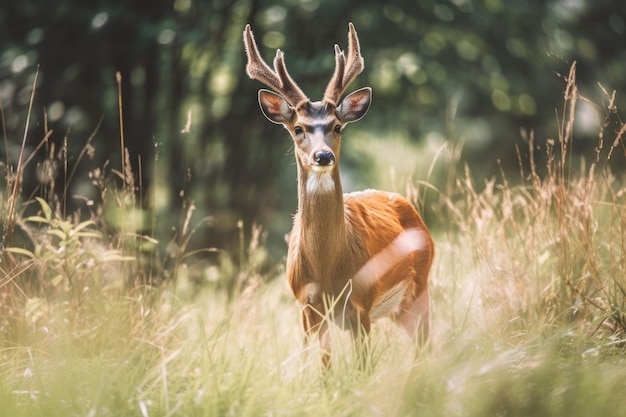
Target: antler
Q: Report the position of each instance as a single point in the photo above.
(278, 79)
(345, 72)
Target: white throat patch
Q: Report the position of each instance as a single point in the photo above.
(320, 182)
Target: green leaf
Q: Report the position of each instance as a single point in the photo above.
(94, 234)
(47, 211)
(66, 227)
(81, 226)
(57, 233)
(21, 251)
(37, 219)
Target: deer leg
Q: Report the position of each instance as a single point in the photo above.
(325, 345)
(360, 329)
(414, 319)
(313, 322)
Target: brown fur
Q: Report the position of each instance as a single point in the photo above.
(332, 238)
(349, 255)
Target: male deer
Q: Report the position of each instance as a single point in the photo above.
(352, 257)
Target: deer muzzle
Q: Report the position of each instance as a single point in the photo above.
(323, 159)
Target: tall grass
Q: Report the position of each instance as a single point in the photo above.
(551, 250)
(527, 296)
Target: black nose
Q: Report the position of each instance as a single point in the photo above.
(324, 158)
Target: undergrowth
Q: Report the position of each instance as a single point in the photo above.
(98, 317)
(551, 250)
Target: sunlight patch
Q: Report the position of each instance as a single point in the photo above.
(408, 241)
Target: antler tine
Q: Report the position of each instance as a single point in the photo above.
(256, 68)
(345, 72)
(278, 79)
(355, 60)
(335, 86)
(289, 88)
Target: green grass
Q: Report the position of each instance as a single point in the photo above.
(528, 313)
(215, 357)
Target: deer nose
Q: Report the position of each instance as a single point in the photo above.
(324, 158)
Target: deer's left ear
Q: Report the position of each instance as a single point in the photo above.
(355, 105)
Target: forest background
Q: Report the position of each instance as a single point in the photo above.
(145, 200)
(480, 76)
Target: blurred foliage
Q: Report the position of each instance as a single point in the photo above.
(468, 71)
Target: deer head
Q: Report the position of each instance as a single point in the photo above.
(315, 126)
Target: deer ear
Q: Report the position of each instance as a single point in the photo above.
(275, 107)
(355, 105)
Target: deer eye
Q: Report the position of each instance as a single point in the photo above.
(298, 130)
(337, 128)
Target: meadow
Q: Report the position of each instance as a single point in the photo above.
(528, 296)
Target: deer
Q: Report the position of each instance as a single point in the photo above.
(356, 257)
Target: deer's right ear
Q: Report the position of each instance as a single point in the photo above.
(275, 107)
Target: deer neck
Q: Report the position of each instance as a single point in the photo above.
(321, 214)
